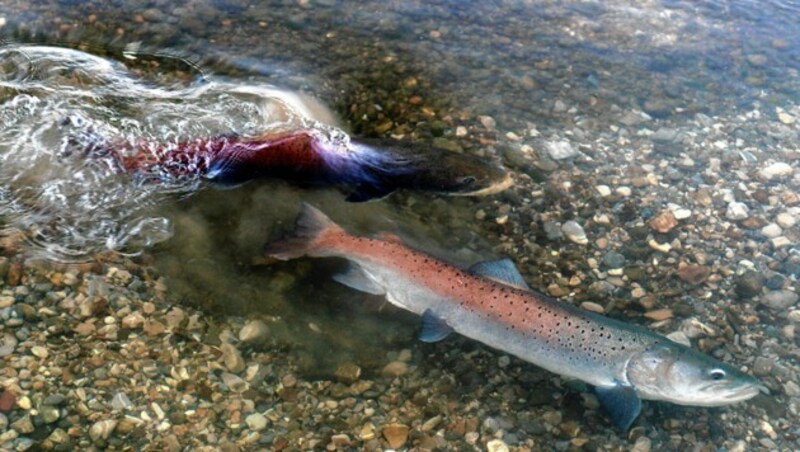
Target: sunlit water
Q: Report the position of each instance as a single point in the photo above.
(56, 103)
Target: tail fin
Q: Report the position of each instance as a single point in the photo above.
(311, 227)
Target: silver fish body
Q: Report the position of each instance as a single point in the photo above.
(491, 303)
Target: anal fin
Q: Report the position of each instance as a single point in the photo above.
(355, 278)
(434, 329)
(621, 403)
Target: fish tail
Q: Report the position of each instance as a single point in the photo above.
(312, 236)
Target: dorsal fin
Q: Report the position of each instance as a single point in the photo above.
(503, 271)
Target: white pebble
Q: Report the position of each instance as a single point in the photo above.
(603, 190)
(777, 169)
(101, 430)
(560, 150)
(785, 220)
(254, 331)
(496, 445)
(771, 231)
(461, 131)
(574, 232)
(737, 211)
(662, 247)
(624, 191)
(779, 242)
(256, 422)
(681, 213)
(679, 337)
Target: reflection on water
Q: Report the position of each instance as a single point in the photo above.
(56, 104)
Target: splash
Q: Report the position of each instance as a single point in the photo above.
(56, 102)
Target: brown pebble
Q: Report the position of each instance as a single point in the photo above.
(664, 222)
(153, 327)
(14, 275)
(395, 369)
(694, 274)
(396, 435)
(84, 329)
(7, 401)
(348, 372)
(659, 314)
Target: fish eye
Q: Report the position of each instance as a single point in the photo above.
(468, 180)
(717, 374)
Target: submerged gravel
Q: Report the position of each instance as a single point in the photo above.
(656, 194)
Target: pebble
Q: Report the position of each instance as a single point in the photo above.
(682, 213)
(254, 332)
(786, 118)
(121, 402)
(624, 191)
(771, 231)
(662, 247)
(613, 259)
(785, 220)
(737, 211)
(694, 274)
(256, 422)
(643, 444)
(8, 345)
(24, 403)
(101, 430)
(680, 338)
(7, 401)
(592, 306)
(659, 314)
(496, 445)
(776, 170)
(348, 372)
(39, 351)
(488, 122)
(574, 232)
(664, 222)
(780, 241)
(749, 284)
(779, 300)
(233, 382)
(23, 425)
(232, 358)
(791, 388)
(49, 413)
(603, 190)
(395, 369)
(6, 301)
(395, 434)
(560, 150)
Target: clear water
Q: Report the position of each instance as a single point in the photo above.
(544, 70)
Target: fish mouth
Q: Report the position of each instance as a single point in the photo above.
(734, 395)
(496, 187)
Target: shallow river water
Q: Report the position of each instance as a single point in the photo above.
(654, 147)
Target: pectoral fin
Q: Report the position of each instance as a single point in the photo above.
(355, 278)
(503, 271)
(621, 403)
(434, 329)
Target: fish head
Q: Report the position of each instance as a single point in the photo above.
(678, 374)
(458, 174)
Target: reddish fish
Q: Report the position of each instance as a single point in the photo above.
(304, 156)
(492, 304)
